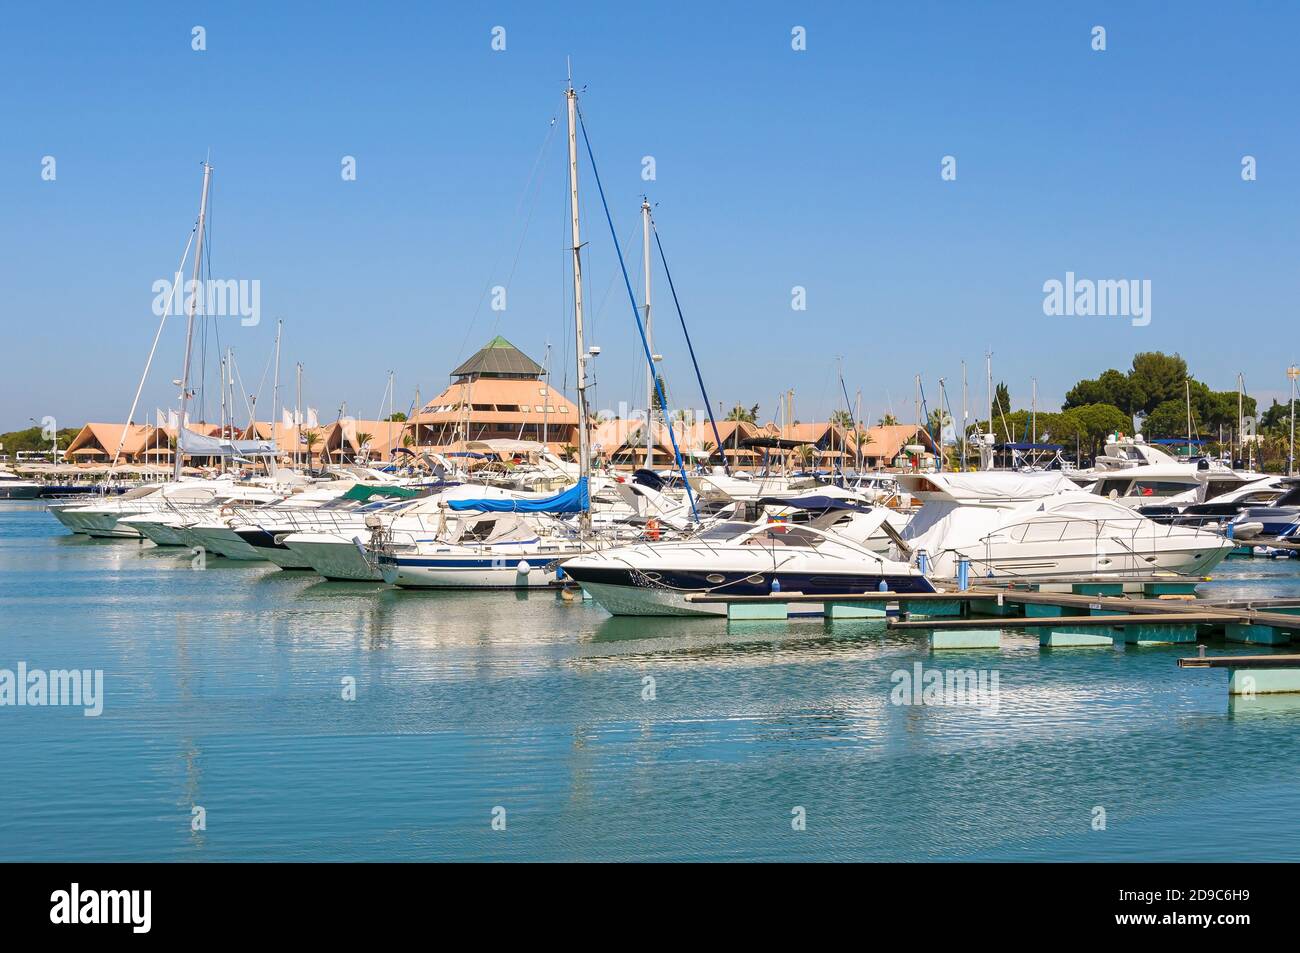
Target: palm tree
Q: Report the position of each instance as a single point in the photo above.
(363, 439)
(860, 439)
(748, 415)
(889, 420)
(310, 438)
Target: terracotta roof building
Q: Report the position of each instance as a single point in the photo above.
(499, 393)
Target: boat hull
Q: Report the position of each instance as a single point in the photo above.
(270, 546)
(159, 533)
(20, 491)
(101, 524)
(469, 572)
(334, 557)
(223, 541)
(626, 591)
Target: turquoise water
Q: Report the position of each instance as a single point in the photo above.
(223, 689)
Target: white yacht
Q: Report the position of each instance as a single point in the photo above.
(736, 558)
(337, 548)
(14, 487)
(487, 551)
(1018, 524)
(102, 518)
(1135, 473)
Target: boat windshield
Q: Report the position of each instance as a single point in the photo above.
(784, 534)
(726, 530)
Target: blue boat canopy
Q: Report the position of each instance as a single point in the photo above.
(812, 502)
(573, 500)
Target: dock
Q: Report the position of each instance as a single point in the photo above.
(1080, 612)
(1251, 675)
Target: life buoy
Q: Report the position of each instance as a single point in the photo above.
(652, 529)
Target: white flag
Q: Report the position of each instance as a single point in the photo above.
(172, 420)
(312, 421)
(160, 417)
(286, 418)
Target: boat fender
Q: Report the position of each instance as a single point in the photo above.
(523, 567)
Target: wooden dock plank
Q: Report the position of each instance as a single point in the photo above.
(1240, 661)
(1064, 622)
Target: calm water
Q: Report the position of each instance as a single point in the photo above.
(223, 689)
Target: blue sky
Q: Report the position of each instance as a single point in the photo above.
(774, 168)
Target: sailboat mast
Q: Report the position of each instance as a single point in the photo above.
(297, 414)
(857, 429)
(584, 460)
(943, 402)
(1240, 437)
(964, 415)
(189, 320)
(1033, 409)
(988, 375)
(649, 337)
(275, 401)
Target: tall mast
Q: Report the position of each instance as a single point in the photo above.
(649, 337)
(1033, 410)
(584, 461)
(1240, 439)
(943, 402)
(988, 373)
(546, 395)
(1292, 373)
(857, 430)
(297, 412)
(275, 400)
(189, 320)
(964, 415)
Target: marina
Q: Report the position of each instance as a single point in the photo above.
(223, 689)
(821, 435)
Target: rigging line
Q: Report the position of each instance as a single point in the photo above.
(487, 286)
(535, 183)
(645, 344)
(158, 334)
(708, 405)
(234, 366)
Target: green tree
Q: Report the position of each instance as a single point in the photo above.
(1001, 399)
(1169, 419)
(1155, 378)
(397, 417)
(889, 420)
(1095, 422)
(748, 415)
(1112, 387)
(655, 402)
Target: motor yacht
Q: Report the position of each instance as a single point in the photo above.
(1276, 523)
(1041, 529)
(736, 558)
(487, 551)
